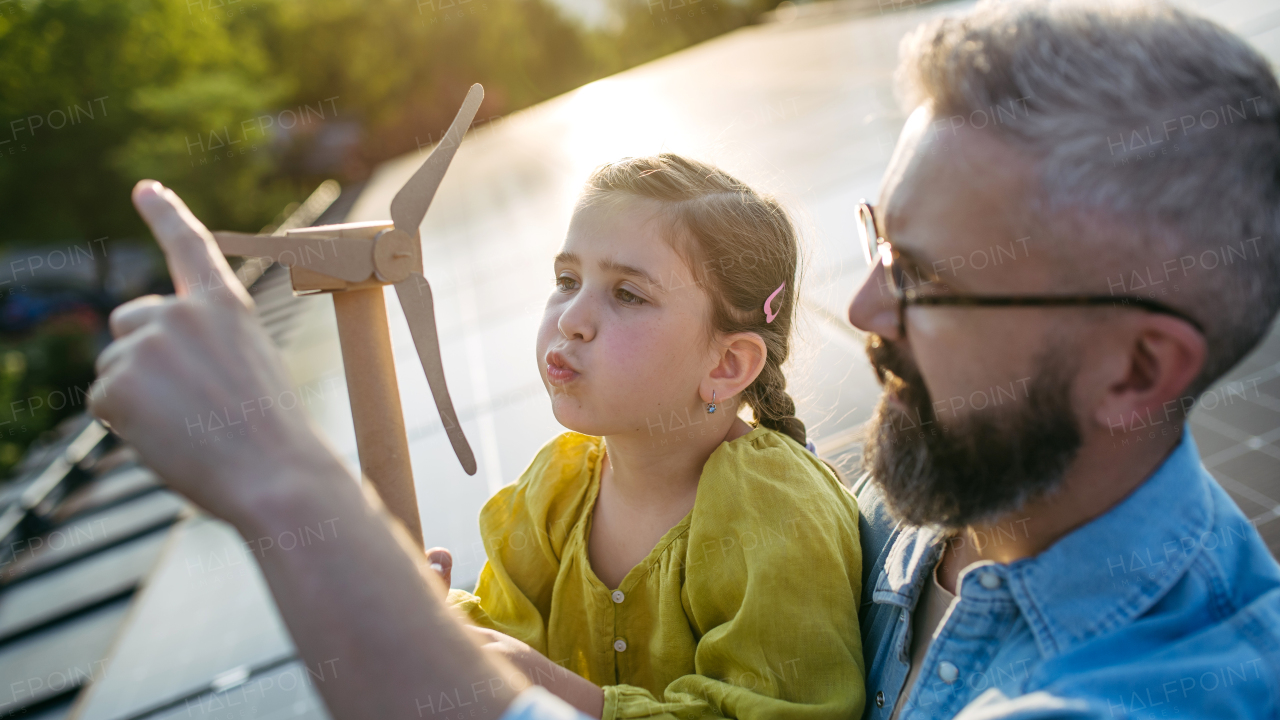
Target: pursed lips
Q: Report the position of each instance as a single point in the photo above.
(559, 370)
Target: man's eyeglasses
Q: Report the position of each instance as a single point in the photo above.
(924, 289)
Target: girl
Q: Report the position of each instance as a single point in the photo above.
(678, 561)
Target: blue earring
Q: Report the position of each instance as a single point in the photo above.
(711, 406)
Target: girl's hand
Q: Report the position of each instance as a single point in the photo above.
(570, 687)
(440, 561)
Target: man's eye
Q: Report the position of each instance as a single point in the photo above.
(628, 297)
(913, 277)
(926, 283)
(566, 283)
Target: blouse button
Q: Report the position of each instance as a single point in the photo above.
(880, 699)
(618, 596)
(948, 672)
(620, 645)
(989, 580)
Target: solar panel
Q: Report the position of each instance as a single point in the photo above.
(284, 691)
(116, 486)
(58, 660)
(52, 710)
(205, 611)
(90, 533)
(74, 587)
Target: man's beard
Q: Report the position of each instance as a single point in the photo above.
(975, 468)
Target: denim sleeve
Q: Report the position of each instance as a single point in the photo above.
(537, 703)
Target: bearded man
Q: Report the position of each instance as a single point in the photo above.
(1040, 537)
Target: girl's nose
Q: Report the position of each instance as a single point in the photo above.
(874, 308)
(577, 321)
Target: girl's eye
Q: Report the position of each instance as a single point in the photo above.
(629, 298)
(566, 283)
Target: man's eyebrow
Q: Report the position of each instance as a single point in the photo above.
(915, 258)
(912, 257)
(927, 271)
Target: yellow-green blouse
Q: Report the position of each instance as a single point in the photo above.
(747, 608)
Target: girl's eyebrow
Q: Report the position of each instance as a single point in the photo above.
(611, 265)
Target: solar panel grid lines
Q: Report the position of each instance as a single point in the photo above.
(282, 690)
(91, 533)
(64, 593)
(120, 484)
(56, 663)
(27, 606)
(36, 492)
(205, 611)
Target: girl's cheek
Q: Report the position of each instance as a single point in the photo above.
(647, 368)
(548, 329)
(630, 345)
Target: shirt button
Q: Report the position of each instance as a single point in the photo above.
(618, 596)
(880, 699)
(989, 580)
(948, 672)
(620, 645)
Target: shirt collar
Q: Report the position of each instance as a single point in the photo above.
(1098, 577)
(1111, 570)
(915, 551)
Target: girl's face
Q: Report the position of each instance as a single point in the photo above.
(622, 343)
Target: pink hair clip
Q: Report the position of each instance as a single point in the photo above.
(768, 314)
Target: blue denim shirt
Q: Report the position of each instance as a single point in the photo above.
(1166, 606)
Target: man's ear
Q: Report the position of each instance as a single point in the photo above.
(741, 357)
(1161, 360)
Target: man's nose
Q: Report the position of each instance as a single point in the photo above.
(874, 308)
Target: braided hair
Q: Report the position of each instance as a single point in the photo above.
(740, 245)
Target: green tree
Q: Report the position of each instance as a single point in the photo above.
(96, 93)
(220, 99)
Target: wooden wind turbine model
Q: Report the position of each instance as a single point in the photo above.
(353, 261)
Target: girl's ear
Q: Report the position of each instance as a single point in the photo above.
(741, 359)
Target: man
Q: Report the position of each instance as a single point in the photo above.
(1062, 552)
(1032, 504)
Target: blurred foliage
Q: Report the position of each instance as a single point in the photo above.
(44, 378)
(243, 106)
(200, 94)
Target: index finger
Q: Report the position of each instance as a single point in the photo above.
(196, 265)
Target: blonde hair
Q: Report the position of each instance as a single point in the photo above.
(740, 247)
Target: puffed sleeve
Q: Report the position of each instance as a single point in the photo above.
(524, 527)
(773, 580)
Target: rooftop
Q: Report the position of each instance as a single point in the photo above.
(120, 600)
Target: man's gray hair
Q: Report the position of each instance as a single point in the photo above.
(1152, 127)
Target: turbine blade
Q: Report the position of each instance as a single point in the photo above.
(410, 205)
(343, 258)
(415, 297)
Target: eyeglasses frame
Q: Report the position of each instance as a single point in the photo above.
(884, 253)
